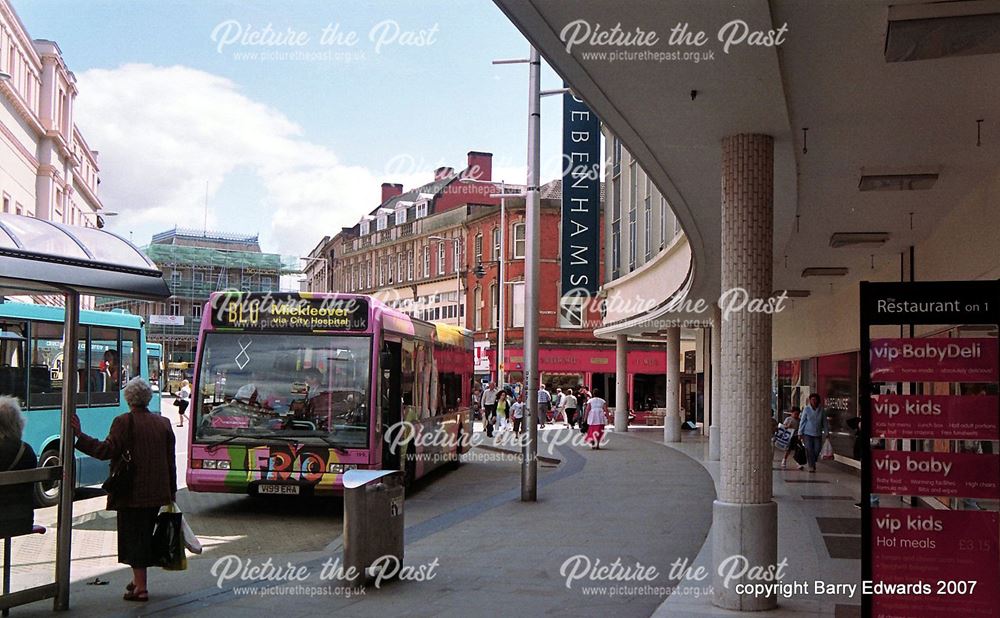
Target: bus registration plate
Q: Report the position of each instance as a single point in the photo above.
(272, 488)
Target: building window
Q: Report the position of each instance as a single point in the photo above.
(633, 236)
(663, 223)
(517, 305)
(400, 215)
(427, 260)
(246, 284)
(198, 277)
(196, 310)
(496, 244)
(381, 271)
(441, 254)
(6, 203)
(400, 266)
(175, 308)
(369, 273)
(365, 227)
(616, 215)
(647, 215)
(494, 305)
(518, 241)
(477, 313)
(409, 265)
(266, 284)
(478, 248)
(175, 278)
(381, 222)
(616, 157)
(421, 209)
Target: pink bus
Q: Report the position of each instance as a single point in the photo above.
(292, 389)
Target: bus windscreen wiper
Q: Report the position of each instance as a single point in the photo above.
(211, 447)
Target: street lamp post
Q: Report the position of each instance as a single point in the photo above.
(325, 270)
(532, 259)
(501, 269)
(100, 214)
(458, 276)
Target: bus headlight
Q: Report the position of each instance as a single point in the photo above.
(336, 468)
(215, 464)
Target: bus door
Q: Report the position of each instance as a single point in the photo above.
(390, 400)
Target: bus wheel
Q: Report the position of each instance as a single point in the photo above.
(47, 492)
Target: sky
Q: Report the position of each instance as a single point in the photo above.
(285, 117)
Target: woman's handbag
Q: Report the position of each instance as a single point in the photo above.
(168, 539)
(119, 482)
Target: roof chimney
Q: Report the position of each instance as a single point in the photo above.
(480, 165)
(390, 190)
(443, 172)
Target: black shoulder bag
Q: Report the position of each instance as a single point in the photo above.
(119, 482)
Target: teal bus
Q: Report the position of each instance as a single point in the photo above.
(154, 361)
(111, 350)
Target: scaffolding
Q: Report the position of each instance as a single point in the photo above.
(193, 273)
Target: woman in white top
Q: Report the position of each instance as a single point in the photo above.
(595, 413)
(183, 400)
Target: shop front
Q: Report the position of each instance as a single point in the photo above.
(835, 378)
(563, 367)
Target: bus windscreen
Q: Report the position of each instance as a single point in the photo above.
(310, 388)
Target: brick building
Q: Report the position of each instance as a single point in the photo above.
(434, 252)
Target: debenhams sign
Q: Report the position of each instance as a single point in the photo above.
(581, 199)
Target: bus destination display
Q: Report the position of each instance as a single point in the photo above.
(289, 312)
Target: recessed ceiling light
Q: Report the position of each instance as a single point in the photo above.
(855, 239)
(897, 182)
(824, 271)
(792, 293)
(942, 30)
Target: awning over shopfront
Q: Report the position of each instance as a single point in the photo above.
(42, 257)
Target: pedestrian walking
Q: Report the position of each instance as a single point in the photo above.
(17, 515)
(792, 422)
(595, 414)
(517, 413)
(503, 405)
(147, 440)
(544, 404)
(183, 401)
(812, 428)
(558, 411)
(489, 403)
(570, 407)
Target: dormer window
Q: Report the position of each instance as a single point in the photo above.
(400, 215)
(421, 209)
(381, 222)
(365, 227)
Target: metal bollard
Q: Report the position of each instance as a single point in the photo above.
(373, 519)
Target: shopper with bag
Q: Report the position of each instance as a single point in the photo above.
(143, 478)
(812, 429)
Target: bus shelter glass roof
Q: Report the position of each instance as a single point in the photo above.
(44, 256)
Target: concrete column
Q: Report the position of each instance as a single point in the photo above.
(621, 383)
(672, 419)
(744, 516)
(714, 443)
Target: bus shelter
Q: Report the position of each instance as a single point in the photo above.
(46, 258)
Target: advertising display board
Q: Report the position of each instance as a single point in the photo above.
(930, 420)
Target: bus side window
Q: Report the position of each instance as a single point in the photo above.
(130, 356)
(45, 390)
(13, 364)
(105, 371)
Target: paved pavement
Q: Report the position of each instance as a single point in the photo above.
(635, 501)
(819, 532)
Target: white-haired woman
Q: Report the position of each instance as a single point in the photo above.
(149, 439)
(17, 514)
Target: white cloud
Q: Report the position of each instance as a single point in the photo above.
(163, 132)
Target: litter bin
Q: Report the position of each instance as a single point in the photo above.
(373, 519)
